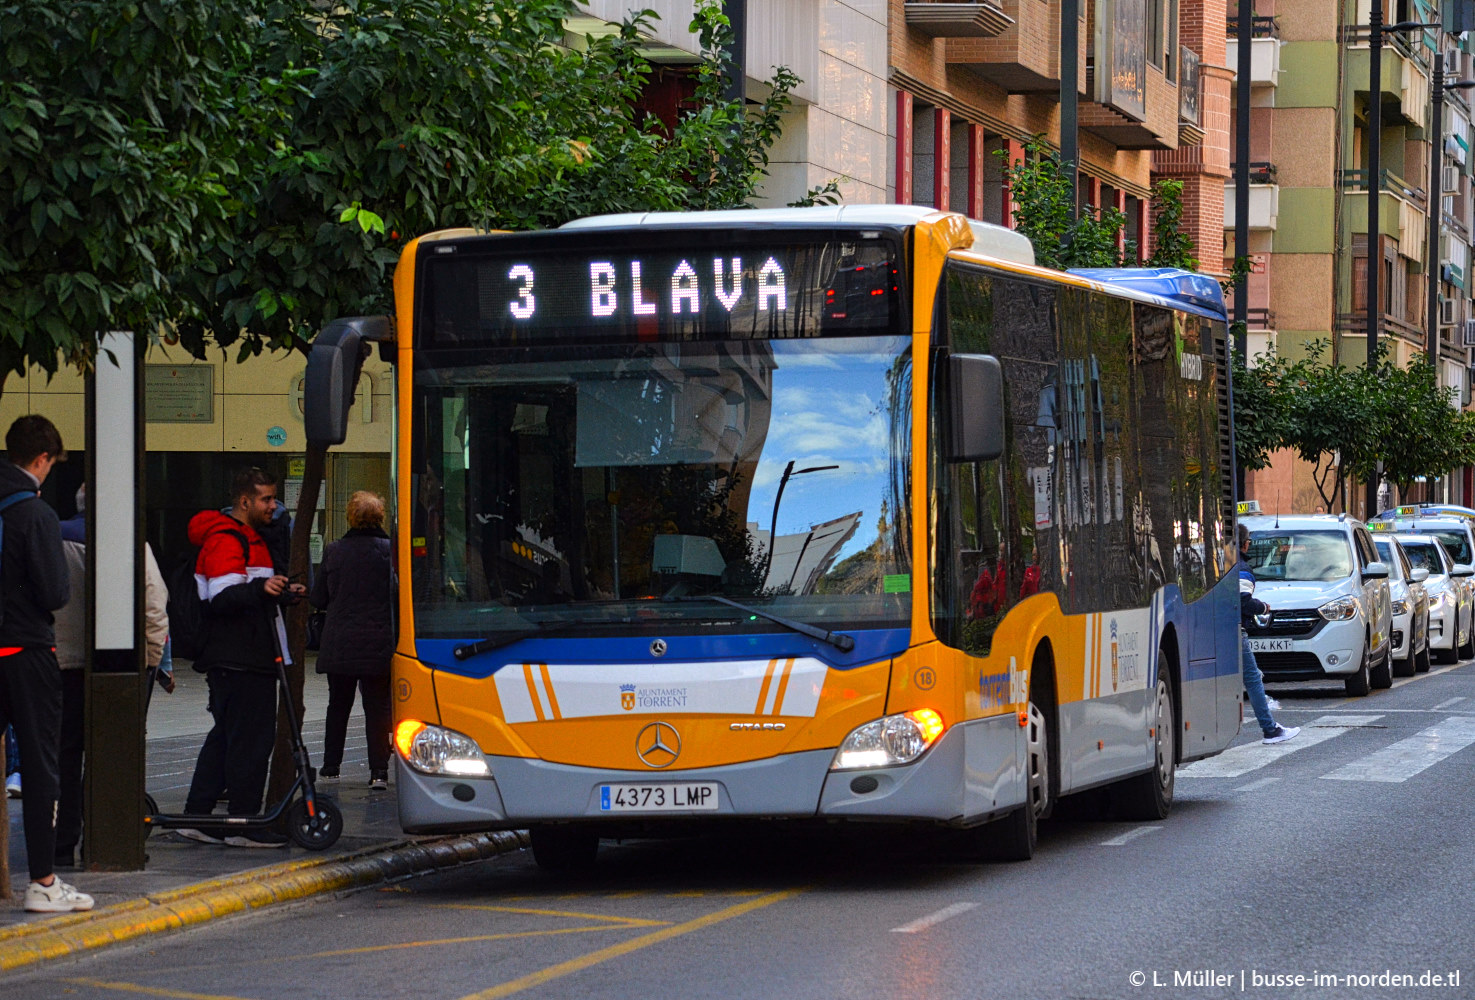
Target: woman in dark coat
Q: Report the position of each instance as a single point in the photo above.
(355, 586)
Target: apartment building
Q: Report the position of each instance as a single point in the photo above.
(971, 82)
(1309, 201)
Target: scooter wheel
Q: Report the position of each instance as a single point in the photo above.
(150, 808)
(316, 833)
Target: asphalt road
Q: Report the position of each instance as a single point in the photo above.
(1344, 853)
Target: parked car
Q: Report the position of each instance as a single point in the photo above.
(1410, 606)
(1449, 614)
(1331, 609)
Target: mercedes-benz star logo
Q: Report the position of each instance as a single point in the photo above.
(658, 647)
(658, 745)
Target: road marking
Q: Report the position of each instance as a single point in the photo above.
(1259, 783)
(932, 919)
(1130, 836)
(153, 991)
(474, 939)
(594, 958)
(566, 914)
(1406, 758)
(1445, 704)
(1253, 756)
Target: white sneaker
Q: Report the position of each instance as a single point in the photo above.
(58, 897)
(189, 833)
(1272, 704)
(12, 786)
(1282, 733)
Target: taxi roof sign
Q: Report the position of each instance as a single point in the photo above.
(1247, 507)
(1409, 511)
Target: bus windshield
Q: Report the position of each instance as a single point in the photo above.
(606, 489)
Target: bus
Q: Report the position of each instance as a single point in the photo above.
(839, 514)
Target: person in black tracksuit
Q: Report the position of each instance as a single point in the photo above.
(34, 582)
(244, 594)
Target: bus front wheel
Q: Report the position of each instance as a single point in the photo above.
(1149, 796)
(1013, 838)
(564, 850)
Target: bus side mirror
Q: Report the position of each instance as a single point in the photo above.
(977, 389)
(333, 369)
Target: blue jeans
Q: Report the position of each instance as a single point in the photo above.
(1255, 686)
(12, 752)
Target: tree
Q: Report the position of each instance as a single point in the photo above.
(1262, 418)
(1418, 431)
(1043, 200)
(1171, 246)
(122, 129)
(428, 114)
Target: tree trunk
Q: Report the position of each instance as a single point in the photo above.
(298, 564)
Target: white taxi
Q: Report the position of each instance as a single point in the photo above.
(1331, 612)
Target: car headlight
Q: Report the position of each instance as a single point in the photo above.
(435, 750)
(1440, 602)
(1400, 607)
(1339, 610)
(895, 739)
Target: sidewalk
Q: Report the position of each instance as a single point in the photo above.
(177, 727)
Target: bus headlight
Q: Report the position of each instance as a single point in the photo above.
(435, 750)
(1339, 610)
(895, 739)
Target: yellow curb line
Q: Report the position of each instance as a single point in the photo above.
(27, 944)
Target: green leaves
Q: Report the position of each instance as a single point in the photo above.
(1042, 196)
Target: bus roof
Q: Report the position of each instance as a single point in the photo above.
(1171, 286)
(989, 239)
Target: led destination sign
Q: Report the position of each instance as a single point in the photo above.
(479, 294)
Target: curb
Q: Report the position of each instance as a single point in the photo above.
(23, 945)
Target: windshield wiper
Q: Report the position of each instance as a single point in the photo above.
(471, 649)
(839, 640)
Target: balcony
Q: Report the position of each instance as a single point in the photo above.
(1264, 198)
(1264, 61)
(1405, 76)
(1023, 56)
(957, 20)
(1261, 26)
(1401, 210)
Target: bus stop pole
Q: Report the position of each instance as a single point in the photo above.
(113, 791)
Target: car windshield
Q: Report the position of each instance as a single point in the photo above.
(607, 490)
(1456, 543)
(1299, 555)
(1424, 555)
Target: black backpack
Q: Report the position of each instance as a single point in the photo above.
(189, 615)
(8, 502)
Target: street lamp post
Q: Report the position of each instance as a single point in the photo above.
(1376, 31)
(1436, 203)
(789, 473)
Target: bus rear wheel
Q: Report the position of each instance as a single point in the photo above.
(564, 850)
(1149, 796)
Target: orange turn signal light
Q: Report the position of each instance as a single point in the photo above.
(929, 722)
(404, 735)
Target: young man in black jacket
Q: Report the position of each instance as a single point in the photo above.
(235, 575)
(34, 582)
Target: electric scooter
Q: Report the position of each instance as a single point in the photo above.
(313, 822)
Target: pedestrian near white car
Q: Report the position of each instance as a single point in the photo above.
(1332, 611)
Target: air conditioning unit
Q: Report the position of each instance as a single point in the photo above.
(1468, 330)
(1447, 312)
(1450, 180)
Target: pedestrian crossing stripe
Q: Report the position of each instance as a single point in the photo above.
(1253, 756)
(1406, 758)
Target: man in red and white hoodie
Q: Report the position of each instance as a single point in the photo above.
(245, 595)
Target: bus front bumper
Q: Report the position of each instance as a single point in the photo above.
(973, 773)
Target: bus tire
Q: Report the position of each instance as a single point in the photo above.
(564, 850)
(1014, 837)
(1149, 796)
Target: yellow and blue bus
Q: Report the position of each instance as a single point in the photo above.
(835, 514)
